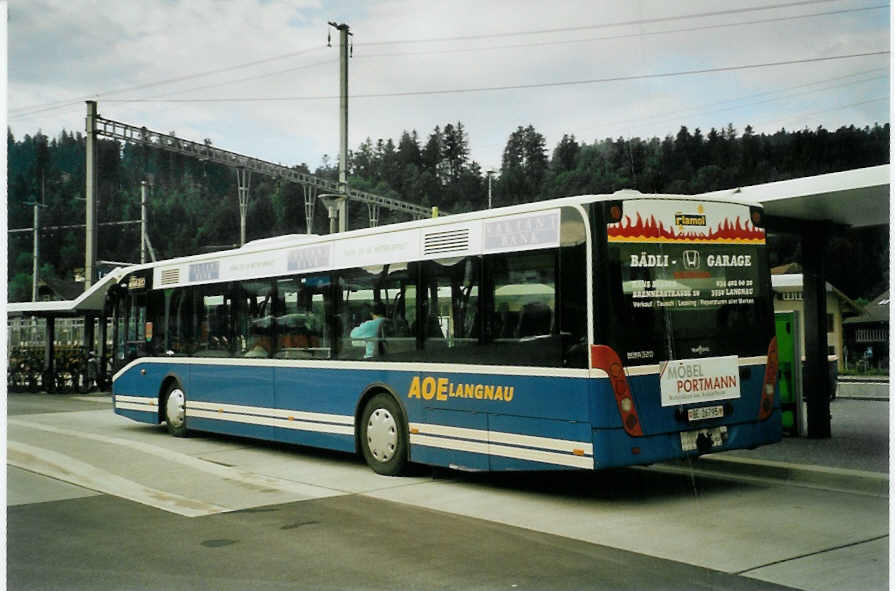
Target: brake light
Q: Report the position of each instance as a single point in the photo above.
(603, 357)
(770, 381)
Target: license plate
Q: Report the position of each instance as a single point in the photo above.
(705, 412)
(717, 436)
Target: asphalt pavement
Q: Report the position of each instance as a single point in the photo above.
(270, 517)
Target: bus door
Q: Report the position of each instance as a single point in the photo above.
(131, 330)
(234, 320)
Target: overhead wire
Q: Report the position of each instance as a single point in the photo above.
(594, 26)
(445, 91)
(638, 34)
(258, 77)
(837, 108)
(708, 107)
(175, 79)
(18, 112)
(525, 45)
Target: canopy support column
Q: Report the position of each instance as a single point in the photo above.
(817, 384)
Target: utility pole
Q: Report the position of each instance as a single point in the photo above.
(143, 185)
(90, 194)
(344, 32)
(35, 253)
(490, 173)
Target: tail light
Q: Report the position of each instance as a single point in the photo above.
(770, 382)
(603, 357)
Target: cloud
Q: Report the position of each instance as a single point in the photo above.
(66, 50)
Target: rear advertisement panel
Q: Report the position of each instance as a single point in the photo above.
(685, 381)
(690, 274)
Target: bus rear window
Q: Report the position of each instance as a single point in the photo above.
(684, 301)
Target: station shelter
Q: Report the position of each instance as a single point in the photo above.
(815, 209)
(81, 321)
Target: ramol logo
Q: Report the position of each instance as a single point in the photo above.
(684, 219)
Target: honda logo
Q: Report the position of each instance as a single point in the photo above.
(691, 259)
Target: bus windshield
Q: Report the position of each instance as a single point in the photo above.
(680, 295)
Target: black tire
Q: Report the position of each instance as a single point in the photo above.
(383, 436)
(174, 410)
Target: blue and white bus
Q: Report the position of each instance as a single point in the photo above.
(585, 332)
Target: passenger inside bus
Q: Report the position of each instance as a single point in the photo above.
(371, 331)
(260, 347)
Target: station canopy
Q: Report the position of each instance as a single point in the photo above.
(853, 198)
(89, 302)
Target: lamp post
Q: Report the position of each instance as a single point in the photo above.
(333, 203)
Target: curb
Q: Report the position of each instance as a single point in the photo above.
(781, 473)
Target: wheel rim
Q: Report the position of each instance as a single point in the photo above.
(382, 435)
(175, 408)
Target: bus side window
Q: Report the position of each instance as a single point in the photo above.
(451, 308)
(300, 318)
(215, 337)
(522, 309)
(253, 303)
(360, 289)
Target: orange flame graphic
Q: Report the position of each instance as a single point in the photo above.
(652, 231)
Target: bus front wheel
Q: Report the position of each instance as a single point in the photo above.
(175, 411)
(383, 436)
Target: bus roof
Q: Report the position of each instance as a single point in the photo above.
(451, 236)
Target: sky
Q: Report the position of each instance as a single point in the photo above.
(257, 77)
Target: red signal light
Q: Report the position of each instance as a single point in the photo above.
(766, 407)
(615, 213)
(603, 357)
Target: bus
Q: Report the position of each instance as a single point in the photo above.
(583, 332)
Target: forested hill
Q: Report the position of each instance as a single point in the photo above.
(193, 205)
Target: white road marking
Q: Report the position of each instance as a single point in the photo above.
(68, 469)
(40, 462)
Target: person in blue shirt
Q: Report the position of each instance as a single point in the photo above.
(369, 330)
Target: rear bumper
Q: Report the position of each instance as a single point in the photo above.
(614, 447)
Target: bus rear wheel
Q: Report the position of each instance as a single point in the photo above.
(383, 437)
(175, 411)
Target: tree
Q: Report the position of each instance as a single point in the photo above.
(524, 165)
(565, 153)
(455, 150)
